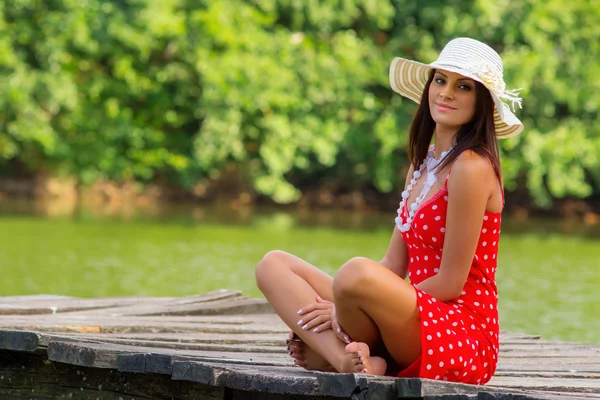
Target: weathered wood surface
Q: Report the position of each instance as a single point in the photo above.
(222, 345)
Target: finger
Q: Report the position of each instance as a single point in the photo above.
(313, 323)
(321, 300)
(323, 327)
(334, 324)
(342, 336)
(338, 331)
(312, 307)
(306, 319)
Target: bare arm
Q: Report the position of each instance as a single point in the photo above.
(396, 256)
(469, 190)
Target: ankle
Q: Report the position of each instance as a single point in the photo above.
(339, 363)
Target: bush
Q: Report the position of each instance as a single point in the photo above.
(286, 91)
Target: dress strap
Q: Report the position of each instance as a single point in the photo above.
(497, 176)
(448, 175)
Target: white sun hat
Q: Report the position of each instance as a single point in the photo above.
(470, 58)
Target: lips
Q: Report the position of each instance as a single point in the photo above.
(444, 107)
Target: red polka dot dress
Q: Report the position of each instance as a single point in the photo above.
(459, 338)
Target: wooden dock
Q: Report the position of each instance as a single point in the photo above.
(221, 345)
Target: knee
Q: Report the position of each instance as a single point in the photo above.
(351, 278)
(268, 266)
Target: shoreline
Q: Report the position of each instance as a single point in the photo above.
(64, 196)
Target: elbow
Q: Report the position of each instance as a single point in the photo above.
(453, 293)
(451, 285)
(454, 289)
(442, 287)
(446, 295)
(450, 291)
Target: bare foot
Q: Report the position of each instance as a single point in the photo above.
(359, 360)
(306, 357)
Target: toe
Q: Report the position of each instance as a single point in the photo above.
(352, 347)
(364, 350)
(295, 349)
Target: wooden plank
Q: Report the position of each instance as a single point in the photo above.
(32, 298)
(56, 380)
(235, 357)
(119, 305)
(193, 339)
(548, 345)
(263, 339)
(573, 368)
(142, 308)
(275, 339)
(26, 376)
(518, 336)
(240, 348)
(550, 395)
(243, 344)
(140, 325)
(71, 305)
(550, 384)
(220, 376)
(225, 307)
(19, 340)
(103, 355)
(548, 374)
(257, 342)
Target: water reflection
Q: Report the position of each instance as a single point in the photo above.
(279, 218)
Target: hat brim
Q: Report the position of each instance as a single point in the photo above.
(409, 78)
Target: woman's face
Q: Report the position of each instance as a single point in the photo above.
(451, 99)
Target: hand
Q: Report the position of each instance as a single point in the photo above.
(316, 316)
(335, 325)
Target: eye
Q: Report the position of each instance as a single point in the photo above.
(465, 87)
(439, 80)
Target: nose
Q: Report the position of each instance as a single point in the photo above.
(446, 92)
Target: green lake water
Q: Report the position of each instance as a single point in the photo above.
(548, 276)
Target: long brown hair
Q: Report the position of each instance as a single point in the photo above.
(478, 135)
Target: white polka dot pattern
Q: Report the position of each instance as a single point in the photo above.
(459, 338)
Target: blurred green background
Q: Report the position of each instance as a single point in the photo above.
(281, 95)
(141, 142)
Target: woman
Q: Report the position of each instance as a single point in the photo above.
(444, 323)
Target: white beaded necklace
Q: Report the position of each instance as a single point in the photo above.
(431, 163)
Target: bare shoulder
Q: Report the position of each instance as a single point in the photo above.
(471, 169)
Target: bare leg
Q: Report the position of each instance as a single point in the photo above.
(289, 283)
(373, 301)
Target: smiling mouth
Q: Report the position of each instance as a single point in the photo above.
(445, 107)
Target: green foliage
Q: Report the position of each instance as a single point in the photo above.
(286, 91)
